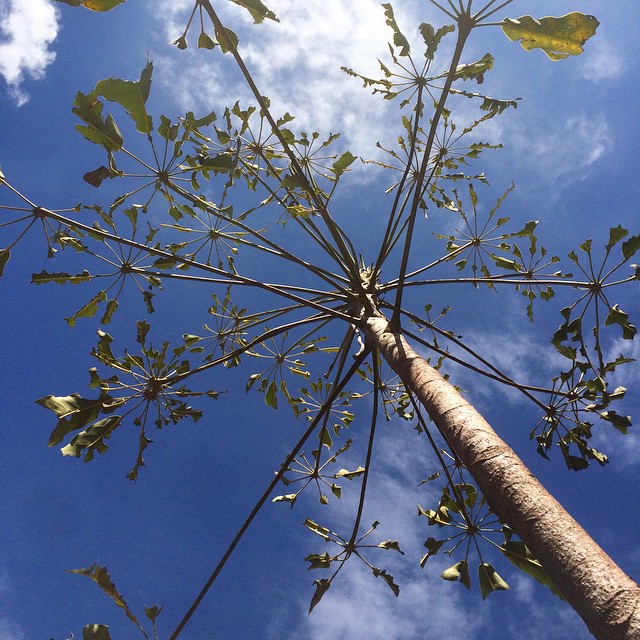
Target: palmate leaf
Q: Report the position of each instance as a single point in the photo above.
(557, 37)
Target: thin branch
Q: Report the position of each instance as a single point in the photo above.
(258, 506)
(464, 29)
(350, 265)
(234, 278)
(367, 464)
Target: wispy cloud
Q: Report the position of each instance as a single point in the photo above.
(622, 449)
(563, 154)
(299, 46)
(606, 61)
(27, 30)
(359, 605)
(10, 630)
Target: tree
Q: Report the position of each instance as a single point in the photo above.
(251, 152)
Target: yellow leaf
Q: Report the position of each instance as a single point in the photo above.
(557, 37)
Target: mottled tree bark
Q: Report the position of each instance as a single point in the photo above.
(602, 594)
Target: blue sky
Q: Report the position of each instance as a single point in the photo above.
(571, 147)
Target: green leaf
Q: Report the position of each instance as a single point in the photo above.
(322, 586)
(98, 130)
(74, 412)
(165, 262)
(323, 532)
(621, 423)
(95, 177)
(341, 164)
(289, 497)
(350, 475)
(318, 560)
(110, 309)
(505, 263)
(432, 38)
(271, 397)
(557, 37)
(130, 95)
(101, 5)
(399, 40)
(615, 235)
(5, 254)
(630, 246)
(92, 439)
(391, 544)
(460, 572)
(192, 122)
(167, 130)
(257, 10)
(94, 631)
(181, 42)
(440, 517)
(388, 578)
(490, 581)
(475, 70)
(61, 277)
(433, 547)
(221, 163)
(519, 555)
(227, 39)
(89, 309)
(153, 612)
(142, 329)
(103, 348)
(205, 41)
(101, 577)
(619, 317)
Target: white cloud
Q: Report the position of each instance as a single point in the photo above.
(299, 46)
(359, 605)
(27, 30)
(606, 61)
(564, 153)
(622, 449)
(10, 631)
(514, 349)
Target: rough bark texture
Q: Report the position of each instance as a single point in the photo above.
(602, 594)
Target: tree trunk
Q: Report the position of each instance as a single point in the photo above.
(602, 594)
